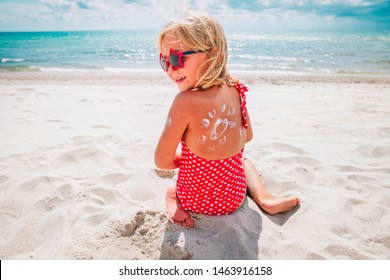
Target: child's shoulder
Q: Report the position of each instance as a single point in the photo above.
(185, 100)
(191, 96)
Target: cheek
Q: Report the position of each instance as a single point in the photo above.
(202, 67)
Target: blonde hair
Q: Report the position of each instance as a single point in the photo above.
(202, 32)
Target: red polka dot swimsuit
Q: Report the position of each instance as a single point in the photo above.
(212, 187)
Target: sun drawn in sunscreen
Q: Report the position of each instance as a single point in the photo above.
(202, 139)
(218, 126)
(212, 113)
(205, 123)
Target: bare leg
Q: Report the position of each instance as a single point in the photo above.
(178, 215)
(269, 203)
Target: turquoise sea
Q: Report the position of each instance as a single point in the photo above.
(277, 52)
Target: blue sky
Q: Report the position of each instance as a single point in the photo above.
(42, 15)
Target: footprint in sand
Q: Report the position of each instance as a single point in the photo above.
(282, 147)
(104, 196)
(81, 160)
(99, 126)
(41, 184)
(385, 130)
(374, 151)
(3, 179)
(113, 179)
(343, 252)
(49, 203)
(60, 195)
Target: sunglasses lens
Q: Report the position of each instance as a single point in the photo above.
(163, 63)
(174, 61)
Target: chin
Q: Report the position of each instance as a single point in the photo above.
(184, 88)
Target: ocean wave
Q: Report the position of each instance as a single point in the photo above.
(382, 62)
(271, 58)
(13, 68)
(68, 69)
(100, 69)
(350, 71)
(265, 37)
(5, 60)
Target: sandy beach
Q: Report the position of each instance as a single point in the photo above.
(78, 181)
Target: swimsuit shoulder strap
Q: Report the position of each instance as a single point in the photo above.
(242, 89)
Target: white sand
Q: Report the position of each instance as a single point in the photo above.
(77, 178)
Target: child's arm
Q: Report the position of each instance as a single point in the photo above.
(165, 156)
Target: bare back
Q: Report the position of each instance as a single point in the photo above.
(215, 129)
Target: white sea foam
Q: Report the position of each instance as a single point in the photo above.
(270, 37)
(5, 60)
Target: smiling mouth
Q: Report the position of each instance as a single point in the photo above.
(179, 79)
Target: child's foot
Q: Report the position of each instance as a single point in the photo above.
(274, 205)
(178, 215)
(187, 222)
(269, 203)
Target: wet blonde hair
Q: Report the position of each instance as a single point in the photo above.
(202, 32)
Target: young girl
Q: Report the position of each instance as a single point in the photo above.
(210, 120)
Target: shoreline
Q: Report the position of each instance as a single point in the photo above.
(159, 77)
